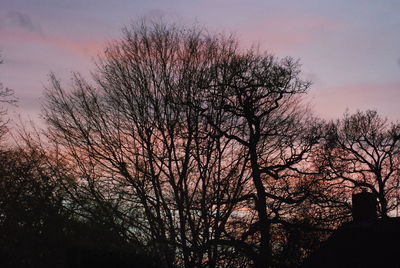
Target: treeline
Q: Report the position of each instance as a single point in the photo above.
(185, 150)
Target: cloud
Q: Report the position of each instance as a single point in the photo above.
(282, 33)
(333, 102)
(74, 46)
(23, 21)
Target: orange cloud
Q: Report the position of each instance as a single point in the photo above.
(81, 47)
(333, 102)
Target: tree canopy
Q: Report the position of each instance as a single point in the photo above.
(186, 150)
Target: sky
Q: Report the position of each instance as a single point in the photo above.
(350, 50)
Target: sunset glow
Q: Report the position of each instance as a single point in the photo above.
(227, 133)
(350, 51)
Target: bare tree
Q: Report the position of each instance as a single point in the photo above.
(362, 151)
(5, 97)
(149, 160)
(188, 144)
(256, 97)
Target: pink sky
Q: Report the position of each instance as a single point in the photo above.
(349, 49)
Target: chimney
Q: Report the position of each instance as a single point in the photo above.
(364, 206)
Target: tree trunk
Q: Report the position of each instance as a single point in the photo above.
(264, 257)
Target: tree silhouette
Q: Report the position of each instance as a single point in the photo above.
(362, 151)
(188, 144)
(6, 97)
(145, 158)
(39, 221)
(30, 209)
(256, 97)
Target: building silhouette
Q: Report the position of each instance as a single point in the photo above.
(365, 242)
